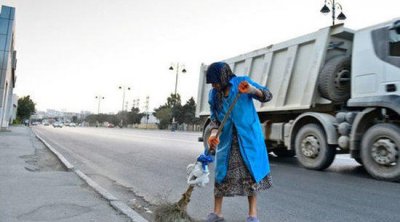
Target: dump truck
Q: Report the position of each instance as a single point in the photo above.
(335, 91)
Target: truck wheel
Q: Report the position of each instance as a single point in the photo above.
(334, 79)
(206, 134)
(284, 153)
(380, 151)
(313, 152)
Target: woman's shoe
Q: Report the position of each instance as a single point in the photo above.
(212, 217)
(252, 219)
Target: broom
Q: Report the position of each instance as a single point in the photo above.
(176, 212)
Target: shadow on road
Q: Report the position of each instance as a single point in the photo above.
(341, 166)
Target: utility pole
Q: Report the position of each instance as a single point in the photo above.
(99, 98)
(147, 110)
(123, 88)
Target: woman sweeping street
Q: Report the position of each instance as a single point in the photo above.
(242, 166)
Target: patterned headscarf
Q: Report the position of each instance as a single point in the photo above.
(219, 72)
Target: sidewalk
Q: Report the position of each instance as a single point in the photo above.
(35, 186)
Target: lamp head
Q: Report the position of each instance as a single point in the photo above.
(341, 16)
(325, 10)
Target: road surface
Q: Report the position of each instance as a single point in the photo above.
(147, 167)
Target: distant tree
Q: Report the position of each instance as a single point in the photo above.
(74, 119)
(122, 116)
(178, 113)
(173, 100)
(164, 115)
(112, 119)
(91, 119)
(189, 112)
(26, 107)
(135, 116)
(101, 118)
(172, 108)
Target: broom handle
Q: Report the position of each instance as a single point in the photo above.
(184, 201)
(227, 114)
(212, 152)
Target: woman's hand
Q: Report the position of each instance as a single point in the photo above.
(213, 140)
(245, 87)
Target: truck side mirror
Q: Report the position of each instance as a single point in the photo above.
(396, 27)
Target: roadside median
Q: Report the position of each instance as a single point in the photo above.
(117, 204)
(36, 186)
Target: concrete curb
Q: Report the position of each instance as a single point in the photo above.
(103, 192)
(114, 202)
(66, 163)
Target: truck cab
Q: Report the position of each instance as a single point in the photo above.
(376, 63)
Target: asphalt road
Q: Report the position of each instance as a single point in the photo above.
(145, 167)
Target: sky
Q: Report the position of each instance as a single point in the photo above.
(70, 51)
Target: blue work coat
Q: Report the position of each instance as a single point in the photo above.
(251, 141)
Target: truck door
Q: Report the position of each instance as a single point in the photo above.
(386, 42)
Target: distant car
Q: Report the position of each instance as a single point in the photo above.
(110, 125)
(57, 124)
(46, 124)
(72, 125)
(35, 123)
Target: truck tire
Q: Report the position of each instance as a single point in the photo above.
(380, 151)
(206, 134)
(334, 79)
(312, 150)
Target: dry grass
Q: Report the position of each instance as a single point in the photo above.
(171, 213)
(175, 212)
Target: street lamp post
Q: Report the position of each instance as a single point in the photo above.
(138, 103)
(124, 88)
(178, 68)
(334, 5)
(99, 98)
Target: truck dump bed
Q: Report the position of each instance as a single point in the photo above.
(290, 69)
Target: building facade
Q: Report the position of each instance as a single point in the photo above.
(8, 64)
(13, 110)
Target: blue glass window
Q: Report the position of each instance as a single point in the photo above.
(4, 25)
